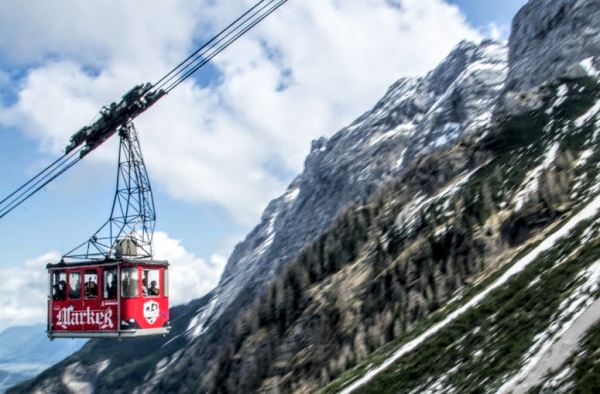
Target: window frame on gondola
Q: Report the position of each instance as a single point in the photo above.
(74, 293)
(59, 294)
(130, 282)
(110, 283)
(90, 276)
(150, 275)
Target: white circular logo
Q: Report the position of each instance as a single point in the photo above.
(151, 311)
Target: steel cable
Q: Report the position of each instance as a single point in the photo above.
(36, 183)
(209, 43)
(202, 57)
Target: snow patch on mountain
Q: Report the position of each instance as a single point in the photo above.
(102, 365)
(587, 212)
(541, 358)
(291, 195)
(72, 380)
(588, 66)
(197, 325)
(449, 133)
(405, 129)
(588, 115)
(530, 185)
(407, 218)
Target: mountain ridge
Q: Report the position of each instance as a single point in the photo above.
(25, 351)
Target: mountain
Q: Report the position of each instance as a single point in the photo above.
(25, 351)
(445, 241)
(415, 117)
(526, 319)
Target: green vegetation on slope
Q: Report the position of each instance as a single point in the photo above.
(487, 343)
(520, 145)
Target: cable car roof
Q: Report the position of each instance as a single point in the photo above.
(107, 262)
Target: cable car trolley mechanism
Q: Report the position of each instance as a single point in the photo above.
(110, 286)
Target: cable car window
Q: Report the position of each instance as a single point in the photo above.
(74, 285)
(129, 282)
(166, 282)
(59, 286)
(150, 282)
(110, 283)
(91, 283)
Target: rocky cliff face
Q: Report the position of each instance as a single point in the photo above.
(549, 39)
(415, 117)
(503, 256)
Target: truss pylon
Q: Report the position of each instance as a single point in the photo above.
(130, 228)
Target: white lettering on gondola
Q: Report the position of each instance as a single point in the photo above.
(66, 317)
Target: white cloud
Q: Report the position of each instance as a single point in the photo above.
(336, 58)
(190, 277)
(152, 33)
(497, 32)
(23, 294)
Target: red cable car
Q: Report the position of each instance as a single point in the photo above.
(110, 286)
(113, 299)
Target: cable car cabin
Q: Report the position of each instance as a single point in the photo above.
(120, 298)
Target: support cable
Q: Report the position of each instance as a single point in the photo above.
(206, 45)
(227, 37)
(36, 183)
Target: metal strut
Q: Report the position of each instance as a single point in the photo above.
(136, 101)
(129, 230)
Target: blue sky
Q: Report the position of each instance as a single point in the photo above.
(482, 13)
(217, 149)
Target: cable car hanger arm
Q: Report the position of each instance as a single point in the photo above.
(135, 102)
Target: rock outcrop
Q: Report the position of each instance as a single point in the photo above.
(415, 117)
(549, 40)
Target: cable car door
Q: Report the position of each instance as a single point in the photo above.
(69, 316)
(108, 299)
(90, 300)
(58, 313)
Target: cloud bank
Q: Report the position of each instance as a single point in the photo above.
(234, 135)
